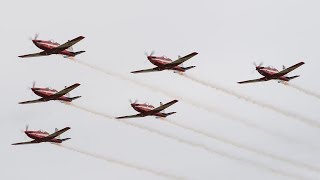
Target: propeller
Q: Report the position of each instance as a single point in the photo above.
(135, 101)
(255, 64)
(33, 85)
(27, 127)
(258, 66)
(35, 37)
(151, 54)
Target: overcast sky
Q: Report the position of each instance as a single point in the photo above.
(247, 141)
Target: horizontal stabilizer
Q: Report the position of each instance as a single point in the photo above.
(187, 68)
(73, 98)
(65, 139)
(292, 77)
(170, 113)
(77, 53)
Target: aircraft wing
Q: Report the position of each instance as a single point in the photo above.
(130, 116)
(146, 70)
(66, 45)
(42, 53)
(160, 108)
(289, 69)
(55, 134)
(253, 80)
(180, 60)
(64, 91)
(28, 142)
(33, 101)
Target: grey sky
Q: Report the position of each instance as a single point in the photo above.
(229, 36)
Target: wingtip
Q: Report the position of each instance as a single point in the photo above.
(81, 37)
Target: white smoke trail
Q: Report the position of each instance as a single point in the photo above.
(256, 102)
(194, 144)
(196, 104)
(242, 146)
(126, 164)
(306, 91)
(91, 111)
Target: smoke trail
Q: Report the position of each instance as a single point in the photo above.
(203, 106)
(256, 102)
(242, 146)
(126, 164)
(196, 104)
(308, 92)
(194, 144)
(92, 111)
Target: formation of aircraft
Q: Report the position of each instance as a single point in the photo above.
(270, 73)
(149, 110)
(43, 136)
(50, 47)
(48, 94)
(164, 63)
(161, 63)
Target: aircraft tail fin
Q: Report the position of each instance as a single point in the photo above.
(292, 77)
(73, 98)
(187, 68)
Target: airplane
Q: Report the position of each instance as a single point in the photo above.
(48, 94)
(149, 110)
(164, 63)
(270, 73)
(42, 136)
(50, 47)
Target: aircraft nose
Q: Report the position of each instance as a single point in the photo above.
(149, 57)
(35, 41)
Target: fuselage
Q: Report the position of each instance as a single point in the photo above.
(269, 73)
(40, 136)
(145, 110)
(46, 93)
(161, 61)
(48, 45)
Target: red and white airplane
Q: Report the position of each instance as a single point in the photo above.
(42, 136)
(149, 110)
(50, 47)
(270, 73)
(48, 94)
(164, 63)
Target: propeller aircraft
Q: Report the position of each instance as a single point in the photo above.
(43, 136)
(48, 94)
(270, 73)
(164, 63)
(149, 110)
(50, 47)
